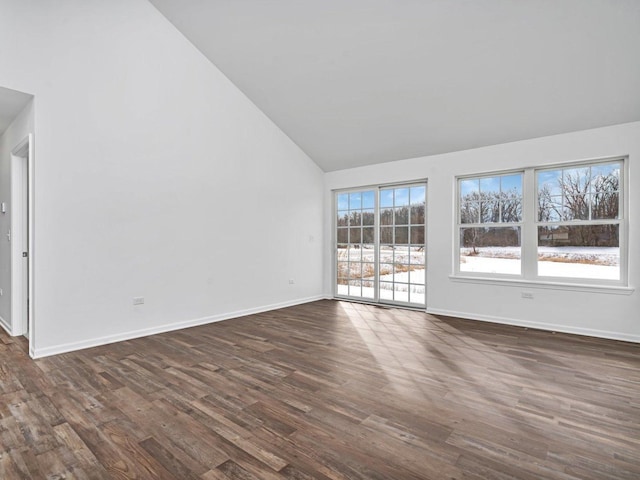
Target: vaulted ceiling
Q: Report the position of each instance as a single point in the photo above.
(358, 82)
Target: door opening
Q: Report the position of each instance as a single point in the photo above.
(20, 237)
(380, 248)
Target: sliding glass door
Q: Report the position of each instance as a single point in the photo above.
(380, 244)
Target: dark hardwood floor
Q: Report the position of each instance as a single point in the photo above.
(326, 390)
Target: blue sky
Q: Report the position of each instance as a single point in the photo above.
(498, 183)
(551, 178)
(388, 198)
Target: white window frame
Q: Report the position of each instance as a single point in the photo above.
(460, 225)
(376, 188)
(529, 234)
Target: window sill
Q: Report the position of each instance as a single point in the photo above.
(574, 287)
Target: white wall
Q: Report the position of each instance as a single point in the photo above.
(154, 177)
(600, 314)
(12, 136)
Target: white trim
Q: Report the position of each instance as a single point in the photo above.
(376, 189)
(588, 332)
(573, 287)
(529, 229)
(95, 342)
(6, 326)
(22, 164)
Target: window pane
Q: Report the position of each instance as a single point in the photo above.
(355, 200)
(368, 271)
(579, 251)
(417, 276)
(512, 184)
(343, 236)
(470, 212)
(576, 207)
(491, 199)
(367, 235)
(489, 186)
(386, 291)
(605, 205)
(386, 198)
(355, 288)
(401, 273)
(402, 235)
(401, 292)
(417, 195)
(605, 171)
(401, 255)
(368, 217)
(386, 272)
(355, 219)
(355, 270)
(469, 188)
(576, 180)
(549, 182)
(401, 197)
(490, 250)
(343, 219)
(386, 216)
(343, 201)
(354, 235)
(355, 253)
(584, 193)
(417, 235)
(490, 210)
(342, 273)
(417, 213)
(368, 199)
(417, 259)
(549, 208)
(416, 293)
(401, 216)
(386, 234)
(605, 186)
(386, 254)
(368, 253)
(510, 207)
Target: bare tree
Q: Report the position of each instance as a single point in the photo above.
(582, 195)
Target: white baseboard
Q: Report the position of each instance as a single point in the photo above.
(95, 342)
(6, 326)
(588, 332)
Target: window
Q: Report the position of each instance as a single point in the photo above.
(567, 226)
(579, 222)
(380, 244)
(355, 253)
(401, 250)
(490, 224)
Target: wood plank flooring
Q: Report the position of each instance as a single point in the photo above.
(326, 390)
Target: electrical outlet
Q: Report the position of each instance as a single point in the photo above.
(138, 300)
(527, 295)
(1, 293)
(291, 281)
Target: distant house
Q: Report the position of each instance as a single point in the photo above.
(554, 237)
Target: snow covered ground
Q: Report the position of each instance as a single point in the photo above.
(386, 293)
(574, 262)
(409, 286)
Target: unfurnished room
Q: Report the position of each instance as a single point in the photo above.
(330, 240)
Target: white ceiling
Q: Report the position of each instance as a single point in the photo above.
(11, 104)
(357, 82)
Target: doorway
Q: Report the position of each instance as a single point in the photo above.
(380, 244)
(20, 236)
